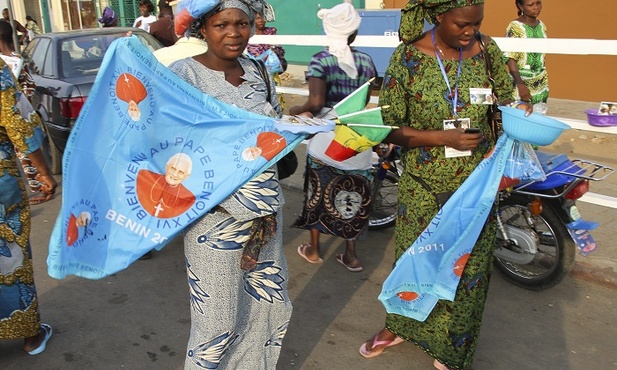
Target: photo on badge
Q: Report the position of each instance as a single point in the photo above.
(479, 95)
(449, 124)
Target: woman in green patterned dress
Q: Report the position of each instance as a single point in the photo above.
(432, 86)
(19, 130)
(528, 69)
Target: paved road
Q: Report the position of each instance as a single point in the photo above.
(139, 318)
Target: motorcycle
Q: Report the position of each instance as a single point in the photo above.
(539, 227)
(386, 172)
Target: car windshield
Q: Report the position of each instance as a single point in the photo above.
(83, 55)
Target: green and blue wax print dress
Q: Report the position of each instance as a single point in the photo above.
(418, 96)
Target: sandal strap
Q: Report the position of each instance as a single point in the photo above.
(381, 342)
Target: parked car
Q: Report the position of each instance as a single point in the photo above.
(64, 66)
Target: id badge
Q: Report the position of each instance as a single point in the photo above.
(479, 95)
(450, 124)
(269, 110)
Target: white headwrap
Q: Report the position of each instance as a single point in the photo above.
(339, 23)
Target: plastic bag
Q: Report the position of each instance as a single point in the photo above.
(523, 164)
(272, 61)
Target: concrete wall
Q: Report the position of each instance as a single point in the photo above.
(576, 77)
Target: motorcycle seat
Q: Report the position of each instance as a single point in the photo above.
(551, 161)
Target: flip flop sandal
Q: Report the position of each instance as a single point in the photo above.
(341, 259)
(302, 252)
(43, 345)
(38, 199)
(439, 366)
(376, 352)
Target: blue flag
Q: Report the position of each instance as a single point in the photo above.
(149, 155)
(430, 269)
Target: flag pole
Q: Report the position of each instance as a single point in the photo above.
(353, 93)
(372, 126)
(363, 125)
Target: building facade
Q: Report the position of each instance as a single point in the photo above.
(63, 15)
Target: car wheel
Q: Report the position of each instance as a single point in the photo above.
(53, 156)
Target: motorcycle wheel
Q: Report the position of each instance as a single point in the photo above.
(385, 204)
(554, 257)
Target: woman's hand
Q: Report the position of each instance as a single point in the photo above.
(527, 107)
(459, 140)
(309, 115)
(523, 92)
(305, 114)
(48, 184)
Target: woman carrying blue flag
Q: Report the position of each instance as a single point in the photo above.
(237, 271)
(428, 86)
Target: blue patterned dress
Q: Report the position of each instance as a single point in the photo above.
(19, 316)
(238, 317)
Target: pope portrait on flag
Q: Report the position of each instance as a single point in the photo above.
(163, 195)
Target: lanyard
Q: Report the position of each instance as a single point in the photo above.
(445, 76)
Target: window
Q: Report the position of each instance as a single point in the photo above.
(36, 53)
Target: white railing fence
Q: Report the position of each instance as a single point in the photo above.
(548, 46)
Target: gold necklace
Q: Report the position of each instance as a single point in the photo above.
(438, 49)
(443, 55)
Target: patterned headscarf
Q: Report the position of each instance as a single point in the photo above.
(339, 23)
(416, 12)
(250, 7)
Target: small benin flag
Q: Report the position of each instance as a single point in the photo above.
(356, 101)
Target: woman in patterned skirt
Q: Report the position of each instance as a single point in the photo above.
(237, 272)
(338, 193)
(428, 85)
(19, 130)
